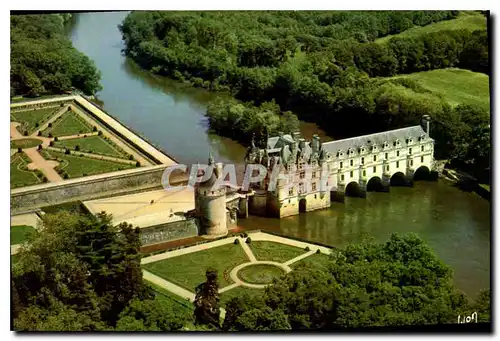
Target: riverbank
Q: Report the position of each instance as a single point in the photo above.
(467, 183)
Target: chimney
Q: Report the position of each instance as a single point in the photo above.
(315, 143)
(426, 119)
(302, 144)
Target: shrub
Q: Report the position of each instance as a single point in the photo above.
(236, 241)
(50, 125)
(44, 178)
(19, 150)
(80, 132)
(40, 147)
(138, 164)
(89, 151)
(51, 143)
(318, 251)
(62, 105)
(307, 248)
(131, 157)
(56, 139)
(77, 147)
(50, 135)
(99, 133)
(249, 240)
(25, 133)
(67, 152)
(65, 176)
(84, 174)
(39, 133)
(37, 124)
(94, 129)
(245, 235)
(85, 135)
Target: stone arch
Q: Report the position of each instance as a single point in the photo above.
(375, 184)
(422, 173)
(398, 179)
(353, 190)
(302, 205)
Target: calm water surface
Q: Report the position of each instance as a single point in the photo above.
(456, 224)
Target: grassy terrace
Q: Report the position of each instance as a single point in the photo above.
(20, 233)
(30, 118)
(77, 166)
(19, 175)
(25, 143)
(172, 300)
(455, 85)
(466, 21)
(93, 144)
(68, 124)
(316, 260)
(275, 252)
(189, 270)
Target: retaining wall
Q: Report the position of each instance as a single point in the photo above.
(170, 231)
(88, 188)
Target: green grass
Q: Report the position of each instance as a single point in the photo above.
(176, 302)
(238, 292)
(20, 177)
(29, 118)
(260, 273)
(68, 124)
(456, 86)
(275, 252)
(25, 143)
(95, 144)
(77, 166)
(14, 258)
(20, 233)
(189, 270)
(486, 187)
(465, 21)
(317, 260)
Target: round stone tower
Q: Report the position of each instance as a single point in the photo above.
(210, 202)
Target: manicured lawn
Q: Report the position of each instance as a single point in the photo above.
(20, 177)
(95, 144)
(316, 260)
(275, 252)
(77, 166)
(465, 21)
(456, 85)
(171, 299)
(25, 143)
(260, 273)
(238, 292)
(29, 118)
(189, 270)
(20, 233)
(68, 124)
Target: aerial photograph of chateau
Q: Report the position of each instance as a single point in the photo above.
(250, 171)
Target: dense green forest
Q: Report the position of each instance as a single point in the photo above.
(43, 60)
(80, 273)
(324, 67)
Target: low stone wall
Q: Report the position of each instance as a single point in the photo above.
(88, 188)
(170, 231)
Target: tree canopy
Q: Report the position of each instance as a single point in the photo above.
(43, 60)
(396, 283)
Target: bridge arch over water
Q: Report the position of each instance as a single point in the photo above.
(375, 184)
(353, 189)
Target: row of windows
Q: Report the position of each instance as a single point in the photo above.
(351, 173)
(301, 188)
(374, 148)
(351, 162)
(315, 197)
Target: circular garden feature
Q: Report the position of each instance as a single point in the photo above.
(260, 273)
(25, 143)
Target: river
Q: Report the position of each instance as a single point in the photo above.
(456, 224)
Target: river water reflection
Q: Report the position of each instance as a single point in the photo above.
(456, 224)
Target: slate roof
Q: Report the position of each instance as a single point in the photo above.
(377, 138)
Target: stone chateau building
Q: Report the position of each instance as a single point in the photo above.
(312, 174)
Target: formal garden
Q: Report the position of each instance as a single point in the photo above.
(73, 146)
(243, 266)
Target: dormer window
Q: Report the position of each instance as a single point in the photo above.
(421, 137)
(386, 145)
(409, 140)
(374, 148)
(362, 150)
(351, 152)
(397, 143)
